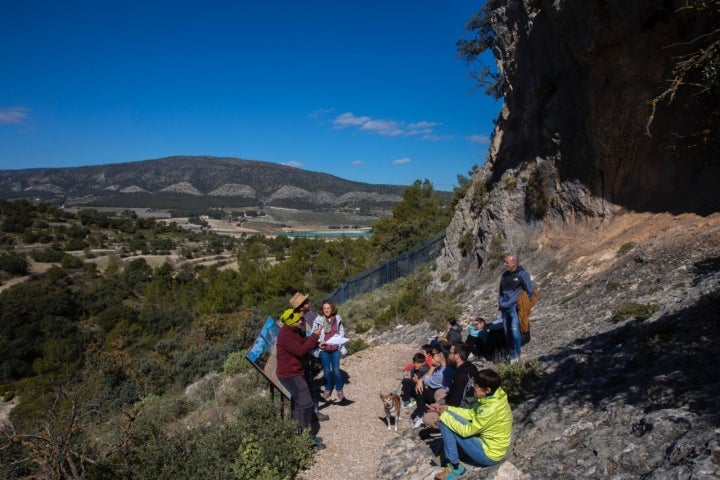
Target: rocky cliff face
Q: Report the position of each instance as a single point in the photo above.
(605, 217)
(574, 141)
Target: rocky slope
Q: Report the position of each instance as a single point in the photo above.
(618, 396)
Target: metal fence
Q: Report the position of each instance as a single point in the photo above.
(389, 271)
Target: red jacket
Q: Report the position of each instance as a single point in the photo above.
(292, 346)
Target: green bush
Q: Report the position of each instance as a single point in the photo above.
(495, 252)
(480, 197)
(540, 191)
(362, 327)
(13, 264)
(48, 255)
(638, 311)
(236, 363)
(70, 262)
(626, 247)
(518, 379)
(354, 346)
(258, 444)
(466, 243)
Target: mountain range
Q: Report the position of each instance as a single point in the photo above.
(200, 181)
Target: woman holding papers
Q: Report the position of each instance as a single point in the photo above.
(332, 338)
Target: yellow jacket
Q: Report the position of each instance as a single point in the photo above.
(490, 420)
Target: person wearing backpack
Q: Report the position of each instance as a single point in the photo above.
(461, 392)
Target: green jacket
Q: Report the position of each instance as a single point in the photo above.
(490, 421)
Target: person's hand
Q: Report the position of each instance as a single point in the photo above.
(433, 407)
(419, 387)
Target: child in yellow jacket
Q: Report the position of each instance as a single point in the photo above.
(481, 432)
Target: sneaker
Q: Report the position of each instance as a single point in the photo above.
(316, 444)
(451, 473)
(435, 461)
(321, 417)
(409, 404)
(514, 360)
(418, 422)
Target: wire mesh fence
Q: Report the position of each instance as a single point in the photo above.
(389, 271)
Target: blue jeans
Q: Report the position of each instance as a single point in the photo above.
(471, 445)
(331, 370)
(512, 330)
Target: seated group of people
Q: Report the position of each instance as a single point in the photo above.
(467, 407)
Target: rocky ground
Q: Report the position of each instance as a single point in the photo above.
(618, 397)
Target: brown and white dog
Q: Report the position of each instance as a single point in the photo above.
(391, 403)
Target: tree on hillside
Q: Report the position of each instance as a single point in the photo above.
(420, 214)
(480, 25)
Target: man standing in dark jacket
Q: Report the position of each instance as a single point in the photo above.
(513, 281)
(292, 346)
(460, 386)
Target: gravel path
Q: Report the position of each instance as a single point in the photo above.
(356, 434)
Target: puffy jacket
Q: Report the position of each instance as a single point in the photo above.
(490, 420)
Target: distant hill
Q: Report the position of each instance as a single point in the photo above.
(200, 182)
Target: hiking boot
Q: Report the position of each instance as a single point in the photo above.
(321, 417)
(451, 473)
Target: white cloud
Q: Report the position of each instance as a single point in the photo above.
(348, 119)
(481, 139)
(320, 112)
(401, 161)
(388, 128)
(292, 164)
(357, 163)
(13, 115)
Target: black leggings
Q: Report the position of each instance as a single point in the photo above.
(422, 399)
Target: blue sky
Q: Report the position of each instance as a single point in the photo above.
(367, 90)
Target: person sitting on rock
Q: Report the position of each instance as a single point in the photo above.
(437, 378)
(482, 432)
(477, 338)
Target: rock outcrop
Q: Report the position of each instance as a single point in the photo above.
(574, 141)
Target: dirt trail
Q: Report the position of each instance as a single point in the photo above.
(356, 433)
